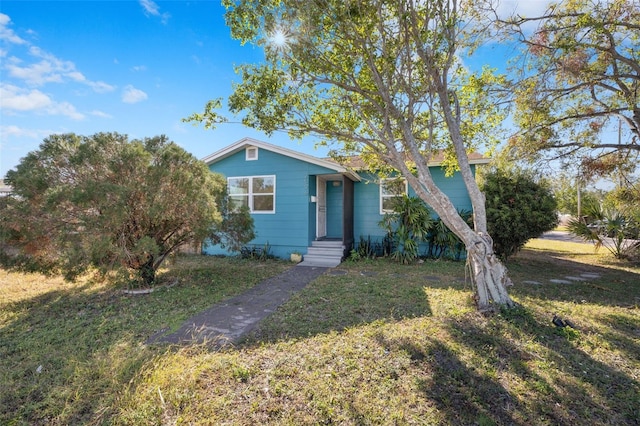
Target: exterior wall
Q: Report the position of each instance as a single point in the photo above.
(293, 225)
(367, 201)
(288, 229)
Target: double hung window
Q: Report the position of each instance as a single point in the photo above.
(256, 192)
(391, 189)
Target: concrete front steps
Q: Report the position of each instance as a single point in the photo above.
(326, 253)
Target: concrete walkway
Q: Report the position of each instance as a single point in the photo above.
(562, 236)
(231, 319)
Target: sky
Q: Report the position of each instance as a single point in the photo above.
(136, 67)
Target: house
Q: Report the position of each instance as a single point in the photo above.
(309, 205)
(5, 189)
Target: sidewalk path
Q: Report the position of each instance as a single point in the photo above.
(229, 320)
(562, 236)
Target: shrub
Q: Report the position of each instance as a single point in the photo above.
(610, 229)
(406, 227)
(443, 242)
(519, 207)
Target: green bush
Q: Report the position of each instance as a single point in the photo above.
(406, 227)
(519, 207)
(443, 243)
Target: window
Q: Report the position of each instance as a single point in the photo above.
(251, 153)
(256, 192)
(390, 189)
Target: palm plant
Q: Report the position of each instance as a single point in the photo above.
(407, 226)
(611, 229)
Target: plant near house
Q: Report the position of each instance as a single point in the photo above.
(443, 242)
(256, 252)
(407, 226)
(366, 249)
(107, 202)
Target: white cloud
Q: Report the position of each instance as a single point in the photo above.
(151, 8)
(131, 95)
(101, 86)
(139, 68)
(66, 109)
(47, 68)
(8, 131)
(17, 99)
(7, 33)
(13, 98)
(50, 69)
(100, 114)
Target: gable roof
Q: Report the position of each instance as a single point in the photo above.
(250, 142)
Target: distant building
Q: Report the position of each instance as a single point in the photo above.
(4, 189)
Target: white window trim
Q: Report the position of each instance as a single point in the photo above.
(251, 153)
(381, 196)
(250, 194)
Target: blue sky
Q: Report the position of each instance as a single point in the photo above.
(134, 67)
(131, 66)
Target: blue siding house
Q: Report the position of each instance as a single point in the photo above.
(309, 205)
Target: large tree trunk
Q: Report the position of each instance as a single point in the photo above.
(489, 275)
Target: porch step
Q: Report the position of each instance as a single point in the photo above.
(325, 253)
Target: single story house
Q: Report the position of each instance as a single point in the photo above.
(310, 205)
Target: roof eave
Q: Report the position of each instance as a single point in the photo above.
(246, 142)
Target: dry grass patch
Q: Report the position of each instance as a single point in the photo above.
(68, 351)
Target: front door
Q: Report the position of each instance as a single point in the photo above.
(335, 204)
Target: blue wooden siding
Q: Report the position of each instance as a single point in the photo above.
(290, 228)
(367, 201)
(293, 225)
(313, 214)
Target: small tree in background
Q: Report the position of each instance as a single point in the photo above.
(612, 229)
(104, 201)
(518, 208)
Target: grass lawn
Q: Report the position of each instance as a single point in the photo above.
(368, 343)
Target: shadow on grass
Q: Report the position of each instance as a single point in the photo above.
(338, 302)
(62, 362)
(570, 386)
(507, 369)
(611, 287)
(483, 374)
(68, 354)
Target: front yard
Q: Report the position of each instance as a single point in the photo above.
(368, 343)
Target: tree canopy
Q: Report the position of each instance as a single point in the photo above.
(580, 83)
(381, 79)
(104, 201)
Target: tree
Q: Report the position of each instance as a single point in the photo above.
(519, 208)
(381, 79)
(580, 79)
(108, 202)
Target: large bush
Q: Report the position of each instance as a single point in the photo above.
(104, 201)
(519, 207)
